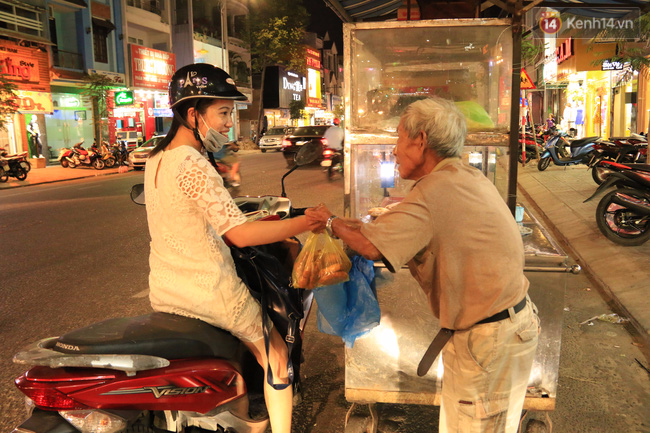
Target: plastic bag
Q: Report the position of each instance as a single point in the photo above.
(322, 262)
(350, 309)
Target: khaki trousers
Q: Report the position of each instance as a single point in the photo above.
(486, 372)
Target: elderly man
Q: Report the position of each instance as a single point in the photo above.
(464, 248)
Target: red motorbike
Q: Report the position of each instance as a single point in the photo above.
(157, 372)
(79, 156)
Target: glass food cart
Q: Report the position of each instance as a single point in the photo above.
(388, 65)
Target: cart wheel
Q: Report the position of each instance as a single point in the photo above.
(357, 424)
(536, 426)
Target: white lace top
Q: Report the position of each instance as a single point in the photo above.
(192, 271)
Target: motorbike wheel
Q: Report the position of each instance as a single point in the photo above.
(110, 162)
(619, 224)
(544, 163)
(72, 164)
(599, 173)
(98, 164)
(334, 170)
(64, 163)
(4, 176)
(29, 166)
(20, 173)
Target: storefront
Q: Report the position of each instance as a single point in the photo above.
(589, 92)
(281, 88)
(28, 68)
(314, 102)
(143, 110)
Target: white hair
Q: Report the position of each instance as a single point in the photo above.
(441, 121)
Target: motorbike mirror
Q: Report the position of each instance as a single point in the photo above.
(308, 153)
(137, 193)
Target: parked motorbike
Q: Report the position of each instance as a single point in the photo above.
(533, 146)
(105, 154)
(333, 163)
(22, 158)
(12, 167)
(624, 150)
(157, 372)
(623, 215)
(581, 151)
(79, 156)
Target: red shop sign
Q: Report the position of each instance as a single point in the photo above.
(18, 68)
(152, 69)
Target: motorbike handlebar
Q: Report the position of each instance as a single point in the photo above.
(297, 211)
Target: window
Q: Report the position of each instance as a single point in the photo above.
(99, 43)
(24, 19)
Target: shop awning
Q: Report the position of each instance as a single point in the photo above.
(23, 37)
(382, 10)
(103, 24)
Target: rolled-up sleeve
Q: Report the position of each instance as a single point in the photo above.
(402, 232)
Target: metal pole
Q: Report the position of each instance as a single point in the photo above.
(514, 109)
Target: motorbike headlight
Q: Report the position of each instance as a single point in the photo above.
(94, 421)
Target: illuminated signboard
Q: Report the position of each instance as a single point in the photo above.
(609, 65)
(34, 102)
(313, 58)
(152, 69)
(19, 68)
(124, 98)
(313, 88)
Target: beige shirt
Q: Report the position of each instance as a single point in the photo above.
(460, 241)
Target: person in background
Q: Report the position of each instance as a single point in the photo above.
(191, 216)
(334, 136)
(464, 248)
(550, 121)
(580, 119)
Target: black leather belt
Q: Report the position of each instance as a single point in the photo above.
(504, 314)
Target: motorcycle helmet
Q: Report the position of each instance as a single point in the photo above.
(336, 121)
(202, 80)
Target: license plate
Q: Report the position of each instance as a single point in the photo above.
(326, 163)
(24, 165)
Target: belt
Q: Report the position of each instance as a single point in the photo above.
(444, 335)
(504, 314)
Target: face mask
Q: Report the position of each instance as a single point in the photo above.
(212, 141)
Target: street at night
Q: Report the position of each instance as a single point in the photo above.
(76, 252)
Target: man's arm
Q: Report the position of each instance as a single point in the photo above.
(353, 237)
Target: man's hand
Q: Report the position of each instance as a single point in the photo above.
(317, 217)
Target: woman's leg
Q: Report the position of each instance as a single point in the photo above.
(278, 403)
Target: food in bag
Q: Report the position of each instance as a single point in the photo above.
(322, 262)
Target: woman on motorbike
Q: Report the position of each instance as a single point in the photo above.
(191, 215)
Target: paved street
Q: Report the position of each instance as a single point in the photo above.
(76, 252)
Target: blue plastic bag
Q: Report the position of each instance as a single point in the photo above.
(349, 309)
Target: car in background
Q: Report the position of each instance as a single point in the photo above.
(138, 158)
(273, 137)
(132, 139)
(301, 136)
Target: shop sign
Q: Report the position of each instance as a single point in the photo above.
(116, 77)
(124, 97)
(291, 87)
(67, 101)
(609, 65)
(151, 68)
(313, 88)
(313, 58)
(564, 51)
(18, 68)
(34, 102)
(163, 112)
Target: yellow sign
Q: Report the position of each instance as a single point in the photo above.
(34, 102)
(526, 82)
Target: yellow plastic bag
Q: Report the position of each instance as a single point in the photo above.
(322, 262)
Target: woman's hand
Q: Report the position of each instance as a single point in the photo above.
(317, 217)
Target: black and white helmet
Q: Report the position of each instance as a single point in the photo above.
(202, 80)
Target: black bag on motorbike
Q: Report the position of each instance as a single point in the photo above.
(269, 281)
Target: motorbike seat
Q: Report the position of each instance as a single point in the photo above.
(165, 335)
(582, 141)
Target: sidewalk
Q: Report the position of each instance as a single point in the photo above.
(56, 173)
(622, 273)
